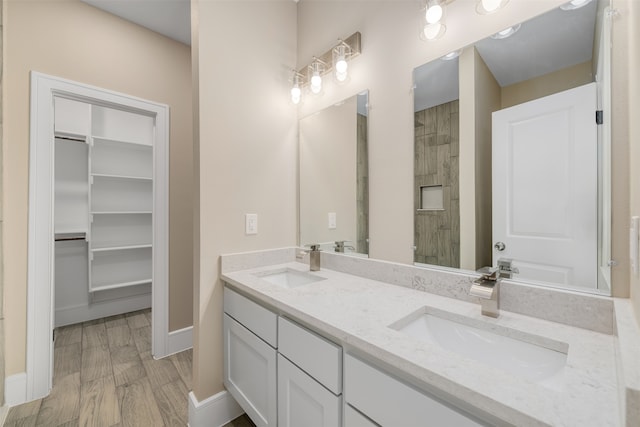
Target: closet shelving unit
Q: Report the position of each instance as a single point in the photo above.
(117, 209)
(120, 200)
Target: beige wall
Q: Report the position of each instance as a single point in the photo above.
(634, 130)
(391, 50)
(487, 100)
(247, 152)
(328, 173)
(75, 41)
(548, 84)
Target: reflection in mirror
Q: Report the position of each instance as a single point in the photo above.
(334, 177)
(507, 159)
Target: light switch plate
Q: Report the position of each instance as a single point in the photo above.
(251, 224)
(332, 220)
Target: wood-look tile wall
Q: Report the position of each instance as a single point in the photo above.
(437, 232)
(362, 186)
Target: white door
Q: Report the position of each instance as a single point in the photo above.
(545, 187)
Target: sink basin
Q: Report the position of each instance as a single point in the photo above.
(288, 277)
(531, 357)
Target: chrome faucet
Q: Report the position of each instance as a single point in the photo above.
(314, 257)
(487, 286)
(340, 246)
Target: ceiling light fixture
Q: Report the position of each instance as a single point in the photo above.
(486, 7)
(575, 4)
(452, 55)
(341, 54)
(507, 32)
(315, 70)
(434, 12)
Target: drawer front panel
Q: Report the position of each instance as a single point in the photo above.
(390, 402)
(254, 317)
(302, 401)
(316, 355)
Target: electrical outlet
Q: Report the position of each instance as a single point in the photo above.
(251, 224)
(332, 220)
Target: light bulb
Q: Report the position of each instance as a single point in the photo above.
(434, 14)
(341, 66)
(433, 31)
(316, 82)
(296, 94)
(491, 5)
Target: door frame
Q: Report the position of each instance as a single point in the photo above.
(40, 271)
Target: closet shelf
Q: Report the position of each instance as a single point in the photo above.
(101, 139)
(121, 213)
(120, 248)
(114, 176)
(119, 285)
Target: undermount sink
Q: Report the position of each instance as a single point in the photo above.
(288, 277)
(535, 358)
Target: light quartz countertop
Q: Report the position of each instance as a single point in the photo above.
(356, 312)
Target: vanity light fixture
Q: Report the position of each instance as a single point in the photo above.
(433, 26)
(335, 59)
(575, 4)
(485, 7)
(507, 32)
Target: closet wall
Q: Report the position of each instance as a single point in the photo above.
(103, 211)
(73, 40)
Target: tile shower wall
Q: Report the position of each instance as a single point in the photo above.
(437, 232)
(362, 186)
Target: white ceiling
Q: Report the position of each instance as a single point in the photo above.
(171, 18)
(549, 42)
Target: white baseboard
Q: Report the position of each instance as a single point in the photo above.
(15, 389)
(98, 310)
(180, 340)
(214, 411)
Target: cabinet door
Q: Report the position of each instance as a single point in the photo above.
(250, 372)
(353, 418)
(302, 401)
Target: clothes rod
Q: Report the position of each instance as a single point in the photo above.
(64, 239)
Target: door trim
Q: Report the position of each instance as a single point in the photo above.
(40, 270)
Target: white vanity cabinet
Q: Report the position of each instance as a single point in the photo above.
(387, 401)
(279, 372)
(309, 378)
(250, 356)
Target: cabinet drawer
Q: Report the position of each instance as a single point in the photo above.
(250, 372)
(314, 354)
(353, 418)
(302, 401)
(254, 317)
(390, 402)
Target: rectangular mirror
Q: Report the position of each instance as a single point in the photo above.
(334, 177)
(509, 160)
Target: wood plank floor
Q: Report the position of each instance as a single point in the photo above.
(104, 375)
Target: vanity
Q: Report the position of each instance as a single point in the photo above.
(376, 346)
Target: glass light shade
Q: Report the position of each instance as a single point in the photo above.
(452, 55)
(434, 14)
(316, 82)
(341, 76)
(341, 65)
(433, 31)
(485, 7)
(296, 94)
